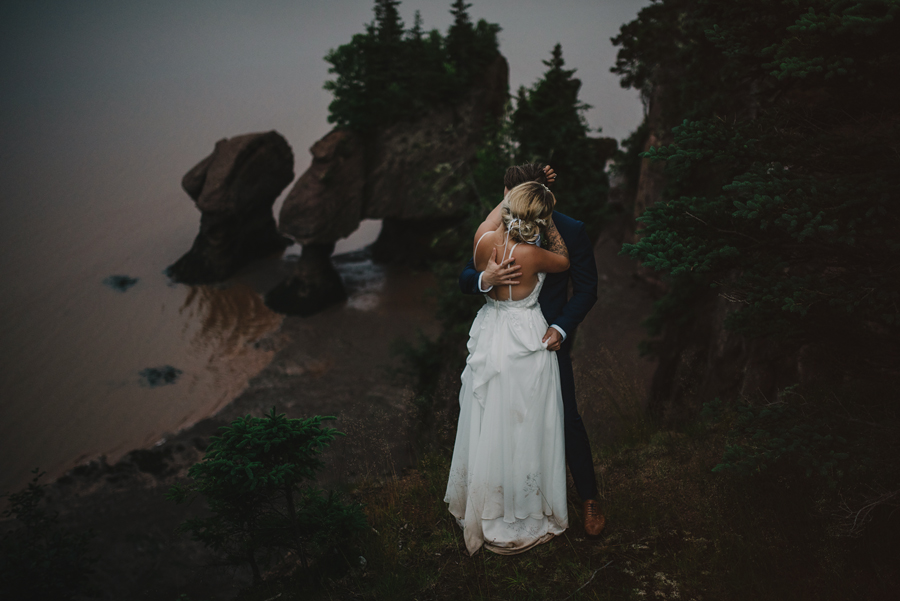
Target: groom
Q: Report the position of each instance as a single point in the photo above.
(564, 314)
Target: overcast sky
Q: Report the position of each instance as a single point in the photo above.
(198, 66)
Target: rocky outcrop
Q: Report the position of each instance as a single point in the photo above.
(410, 174)
(699, 360)
(326, 202)
(314, 284)
(416, 169)
(234, 188)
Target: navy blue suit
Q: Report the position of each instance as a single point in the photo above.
(567, 313)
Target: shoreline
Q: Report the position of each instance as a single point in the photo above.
(370, 296)
(337, 362)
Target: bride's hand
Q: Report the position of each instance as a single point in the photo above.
(501, 274)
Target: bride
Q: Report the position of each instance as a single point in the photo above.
(507, 486)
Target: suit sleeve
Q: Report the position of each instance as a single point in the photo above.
(468, 279)
(583, 271)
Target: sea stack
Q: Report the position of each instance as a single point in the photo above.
(413, 175)
(235, 188)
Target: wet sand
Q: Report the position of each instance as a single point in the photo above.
(338, 362)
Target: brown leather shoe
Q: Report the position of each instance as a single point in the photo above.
(593, 518)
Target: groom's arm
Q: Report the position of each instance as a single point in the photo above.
(472, 281)
(583, 271)
(469, 278)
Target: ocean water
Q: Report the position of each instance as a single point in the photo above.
(105, 105)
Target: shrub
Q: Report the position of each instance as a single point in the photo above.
(789, 437)
(256, 477)
(39, 559)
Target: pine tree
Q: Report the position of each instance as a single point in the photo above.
(387, 26)
(257, 479)
(549, 124)
(783, 174)
(40, 558)
(385, 74)
(415, 34)
(460, 37)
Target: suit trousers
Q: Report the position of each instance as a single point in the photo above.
(578, 447)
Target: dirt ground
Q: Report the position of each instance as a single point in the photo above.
(611, 378)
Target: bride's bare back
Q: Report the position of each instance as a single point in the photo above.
(530, 258)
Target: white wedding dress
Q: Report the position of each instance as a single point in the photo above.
(507, 486)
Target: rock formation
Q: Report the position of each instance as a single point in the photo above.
(313, 284)
(410, 174)
(234, 188)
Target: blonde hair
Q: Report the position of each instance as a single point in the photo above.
(526, 211)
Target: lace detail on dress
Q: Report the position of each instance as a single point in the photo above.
(524, 303)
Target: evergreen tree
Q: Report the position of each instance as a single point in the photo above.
(549, 124)
(387, 26)
(460, 38)
(385, 75)
(256, 476)
(784, 174)
(415, 34)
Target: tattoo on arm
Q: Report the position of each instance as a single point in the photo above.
(555, 242)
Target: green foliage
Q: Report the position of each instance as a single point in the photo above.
(783, 175)
(549, 125)
(665, 49)
(785, 436)
(256, 477)
(388, 74)
(40, 559)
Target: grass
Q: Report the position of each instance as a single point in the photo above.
(675, 530)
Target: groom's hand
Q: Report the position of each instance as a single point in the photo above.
(553, 339)
(549, 174)
(501, 274)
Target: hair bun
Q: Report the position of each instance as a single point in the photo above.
(525, 210)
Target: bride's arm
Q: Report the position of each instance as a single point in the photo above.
(490, 223)
(493, 220)
(551, 262)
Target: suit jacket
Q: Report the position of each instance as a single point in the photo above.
(557, 307)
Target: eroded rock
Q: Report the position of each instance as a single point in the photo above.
(326, 202)
(234, 188)
(313, 285)
(413, 175)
